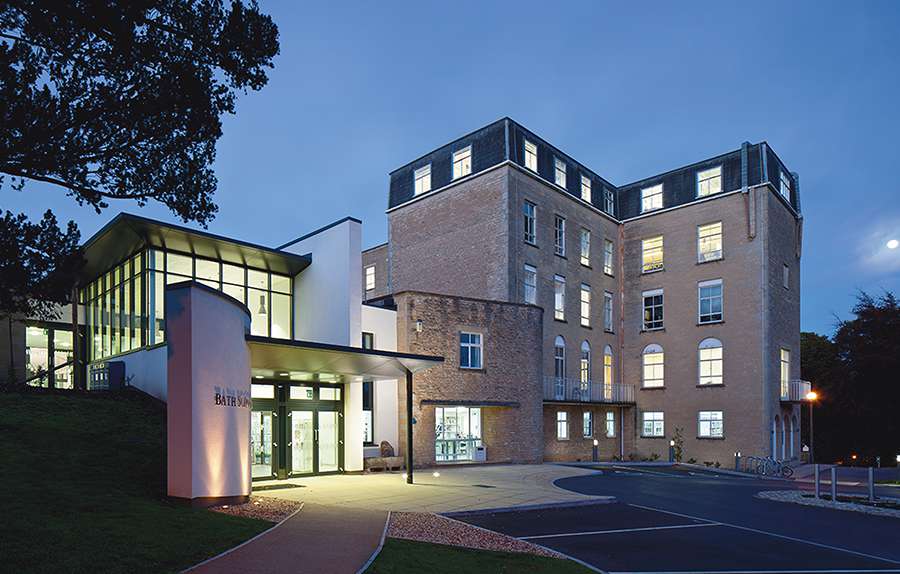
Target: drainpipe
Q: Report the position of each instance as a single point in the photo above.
(409, 427)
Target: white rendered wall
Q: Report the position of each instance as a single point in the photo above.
(208, 451)
(353, 428)
(382, 323)
(328, 293)
(146, 370)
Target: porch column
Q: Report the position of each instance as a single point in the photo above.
(409, 427)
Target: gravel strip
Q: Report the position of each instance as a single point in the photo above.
(261, 507)
(426, 527)
(796, 496)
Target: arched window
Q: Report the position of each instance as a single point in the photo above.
(710, 365)
(559, 357)
(607, 365)
(585, 364)
(653, 361)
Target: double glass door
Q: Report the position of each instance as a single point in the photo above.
(296, 430)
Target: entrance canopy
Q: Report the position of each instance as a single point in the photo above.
(300, 360)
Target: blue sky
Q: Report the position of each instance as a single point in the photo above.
(630, 89)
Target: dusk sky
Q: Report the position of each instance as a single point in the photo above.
(629, 89)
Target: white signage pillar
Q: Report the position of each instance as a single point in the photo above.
(208, 395)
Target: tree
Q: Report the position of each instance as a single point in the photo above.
(856, 374)
(122, 99)
(37, 262)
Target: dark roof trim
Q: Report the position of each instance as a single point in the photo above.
(320, 230)
(341, 348)
(374, 247)
(683, 168)
(472, 299)
(207, 288)
(465, 403)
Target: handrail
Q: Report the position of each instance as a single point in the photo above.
(795, 391)
(576, 390)
(42, 373)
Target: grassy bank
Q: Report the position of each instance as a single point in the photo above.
(83, 481)
(406, 556)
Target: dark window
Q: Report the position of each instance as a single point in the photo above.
(368, 421)
(368, 340)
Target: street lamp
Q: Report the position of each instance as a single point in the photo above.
(811, 397)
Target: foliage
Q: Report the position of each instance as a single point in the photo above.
(37, 262)
(678, 439)
(122, 99)
(855, 375)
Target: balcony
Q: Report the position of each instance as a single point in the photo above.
(576, 391)
(795, 391)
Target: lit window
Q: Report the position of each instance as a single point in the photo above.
(709, 181)
(560, 170)
(587, 425)
(585, 247)
(785, 373)
(609, 202)
(652, 254)
(710, 424)
(531, 156)
(370, 277)
(608, 368)
(653, 309)
(710, 354)
(651, 198)
(585, 305)
(607, 256)
(709, 242)
(529, 294)
(422, 180)
(785, 276)
(607, 311)
(559, 235)
(559, 297)
(710, 301)
(653, 366)
(785, 185)
(529, 211)
(470, 350)
(586, 188)
(462, 162)
(562, 425)
(584, 368)
(610, 424)
(654, 424)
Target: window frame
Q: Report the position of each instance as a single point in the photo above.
(456, 160)
(661, 420)
(784, 371)
(559, 297)
(559, 235)
(420, 175)
(527, 154)
(700, 298)
(530, 222)
(585, 305)
(710, 420)
(562, 425)
(649, 196)
(655, 264)
(586, 186)
(608, 321)
(706, 344)
(701, 239)
(367, 276)
(701, 180)
(560, 172)
(587, 424)
(609, 201)
(584, 245)
(653, 349)
(786, 276)
(610, 424)
(786, 185)
(653, 324)
(529, 271)
(609, 250)
(470, 346)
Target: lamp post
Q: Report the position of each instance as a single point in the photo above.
(811, 397)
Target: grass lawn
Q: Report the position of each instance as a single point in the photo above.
(83, 485)
(407, 556)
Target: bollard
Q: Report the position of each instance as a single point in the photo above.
(871, 484)
(737, 461)
(595, 453)
(816, 470)
(833, 484)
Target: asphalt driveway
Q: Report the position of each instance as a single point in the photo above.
(687, 520)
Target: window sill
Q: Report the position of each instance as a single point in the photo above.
(586, 327)
(562, 439)
(655, 330)
(719, 322)
(710, 438)
(560, 320)
(715, 386)
(561, 256)
(652, 271)
(610, 331)
(532, 244)
(586, 265)
(653, 437)
(662, 388)
(609, 274)
(472, 369)
(710, 261)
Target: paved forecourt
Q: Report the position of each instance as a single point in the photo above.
(674, 534)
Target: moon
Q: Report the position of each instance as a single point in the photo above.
(893, 244)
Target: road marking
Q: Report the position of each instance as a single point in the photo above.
(780, 571)
(592, 532)
(782, 536)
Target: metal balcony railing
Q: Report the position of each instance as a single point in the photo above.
(576, 390)
(795, 391)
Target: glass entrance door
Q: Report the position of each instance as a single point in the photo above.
(261, 444)
(328, 441)
(302, 442)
